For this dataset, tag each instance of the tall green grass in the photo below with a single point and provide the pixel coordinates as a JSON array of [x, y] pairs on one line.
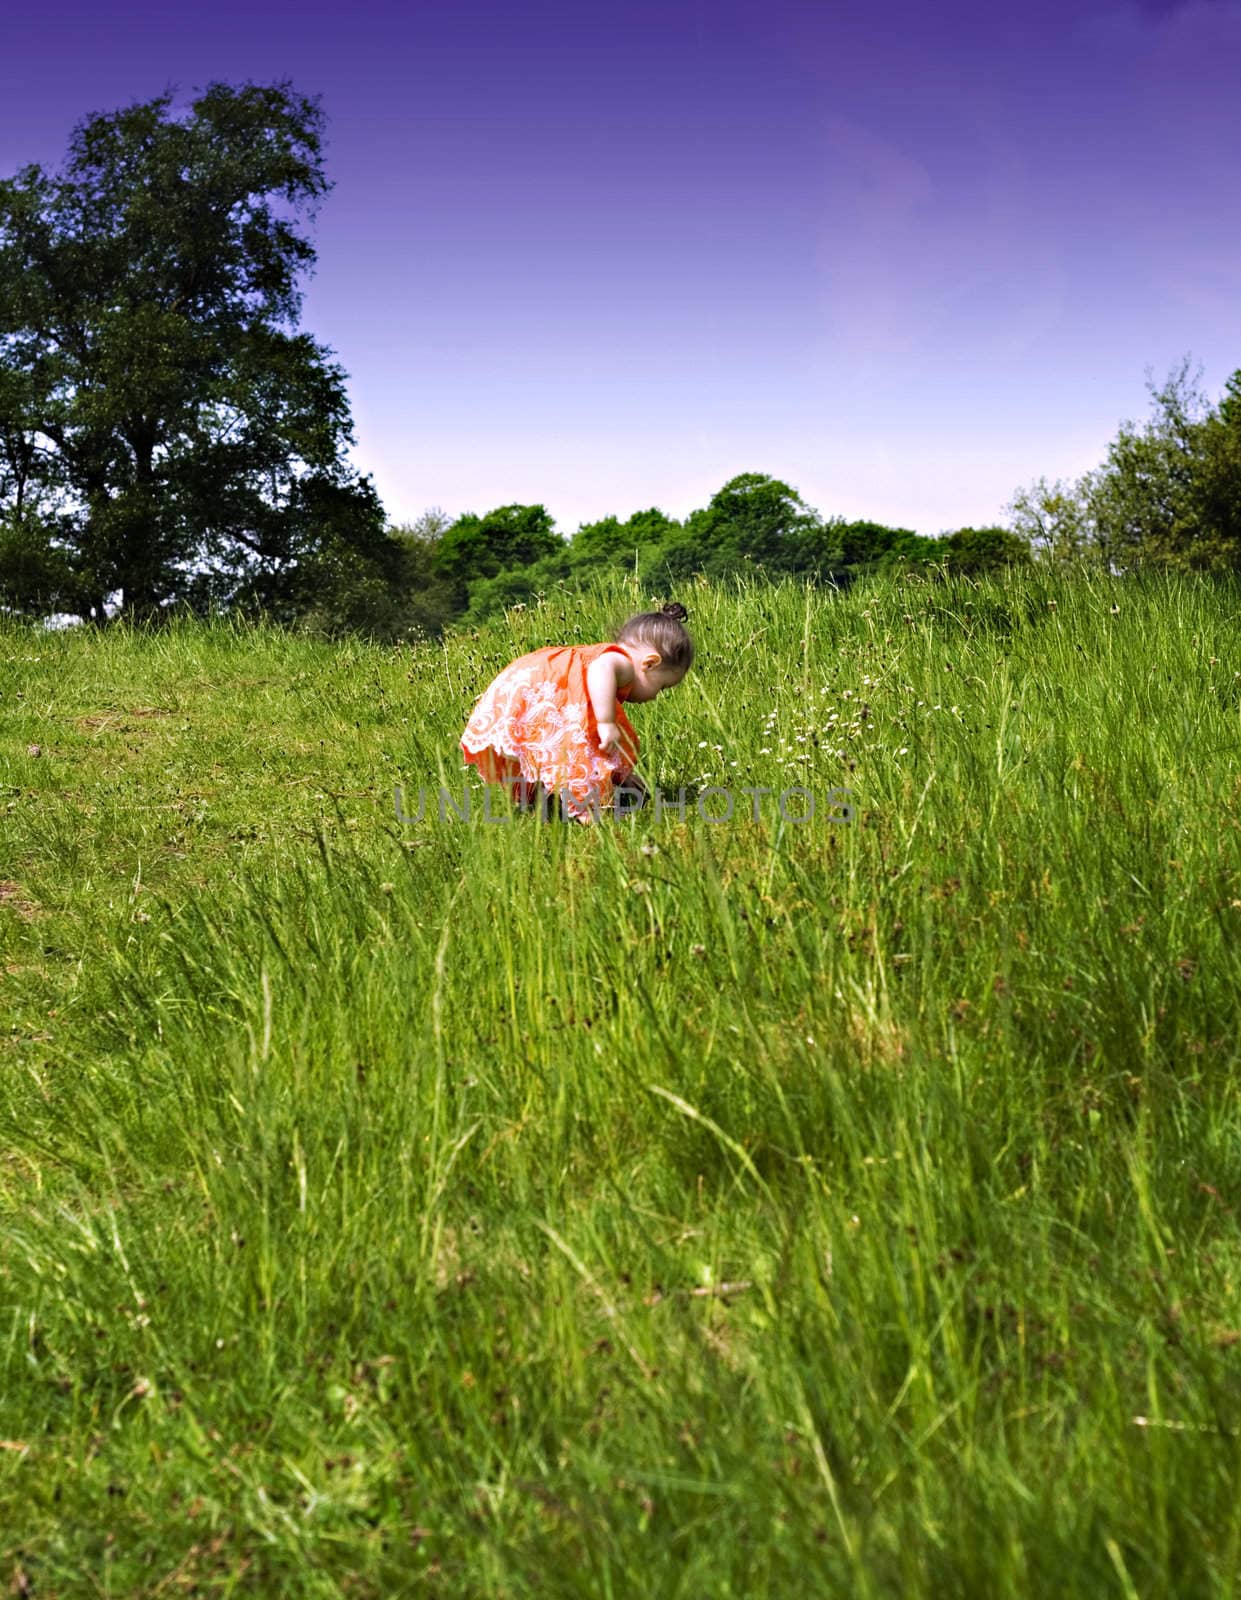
[[658, 1208]]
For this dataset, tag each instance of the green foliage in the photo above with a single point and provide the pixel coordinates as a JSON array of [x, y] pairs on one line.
[[1217, 485], [1168, 493], [36, 577], [754, 525], [178, 438], [427, 602], [975, 550], [1054, 521], [620, 543], [516, 586], [1142, 500], [754, 518], [869, 547], [481, 547]]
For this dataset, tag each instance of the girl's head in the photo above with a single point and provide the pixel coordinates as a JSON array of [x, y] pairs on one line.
[[660, 648]]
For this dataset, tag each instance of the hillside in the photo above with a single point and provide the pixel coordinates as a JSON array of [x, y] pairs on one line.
[[667, 1207]]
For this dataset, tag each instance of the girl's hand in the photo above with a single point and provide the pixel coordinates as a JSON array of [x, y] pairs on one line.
[[609, 735]]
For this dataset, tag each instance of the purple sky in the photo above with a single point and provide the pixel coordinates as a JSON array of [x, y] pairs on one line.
[[607, 255]]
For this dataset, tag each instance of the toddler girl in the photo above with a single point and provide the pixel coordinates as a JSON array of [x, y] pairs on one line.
[[553, 717]]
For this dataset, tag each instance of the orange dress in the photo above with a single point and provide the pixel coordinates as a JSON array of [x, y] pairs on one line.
[[534, 722]]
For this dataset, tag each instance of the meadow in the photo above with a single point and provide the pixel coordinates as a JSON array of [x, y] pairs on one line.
[[661, 1208]]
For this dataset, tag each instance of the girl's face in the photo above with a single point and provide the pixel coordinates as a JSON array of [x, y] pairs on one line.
[[650, 676]]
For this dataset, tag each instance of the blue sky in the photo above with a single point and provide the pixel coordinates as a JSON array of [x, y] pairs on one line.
[[605, 257]]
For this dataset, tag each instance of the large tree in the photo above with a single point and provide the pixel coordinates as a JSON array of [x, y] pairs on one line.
[[977, 550], [166, 431], [614, 542], [753, 519], [477, 547], [1168, 494]]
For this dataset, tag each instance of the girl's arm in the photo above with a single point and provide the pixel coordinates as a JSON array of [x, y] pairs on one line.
[[603, 676]]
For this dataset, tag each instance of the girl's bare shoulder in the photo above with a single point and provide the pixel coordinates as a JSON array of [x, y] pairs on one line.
[[612, 661]]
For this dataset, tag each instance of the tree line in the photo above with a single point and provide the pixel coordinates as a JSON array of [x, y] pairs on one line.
[[476, 565], [171, 439]]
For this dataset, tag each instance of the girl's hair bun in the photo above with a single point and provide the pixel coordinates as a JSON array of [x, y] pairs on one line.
[[662, 629]]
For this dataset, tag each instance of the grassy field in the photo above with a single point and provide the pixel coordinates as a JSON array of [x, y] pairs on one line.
[[658, 1208]]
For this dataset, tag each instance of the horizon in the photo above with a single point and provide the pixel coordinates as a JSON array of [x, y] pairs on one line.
[[906, 263]]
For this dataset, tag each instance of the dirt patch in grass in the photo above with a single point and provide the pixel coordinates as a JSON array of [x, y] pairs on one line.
[[12, 894], [104, 719]]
